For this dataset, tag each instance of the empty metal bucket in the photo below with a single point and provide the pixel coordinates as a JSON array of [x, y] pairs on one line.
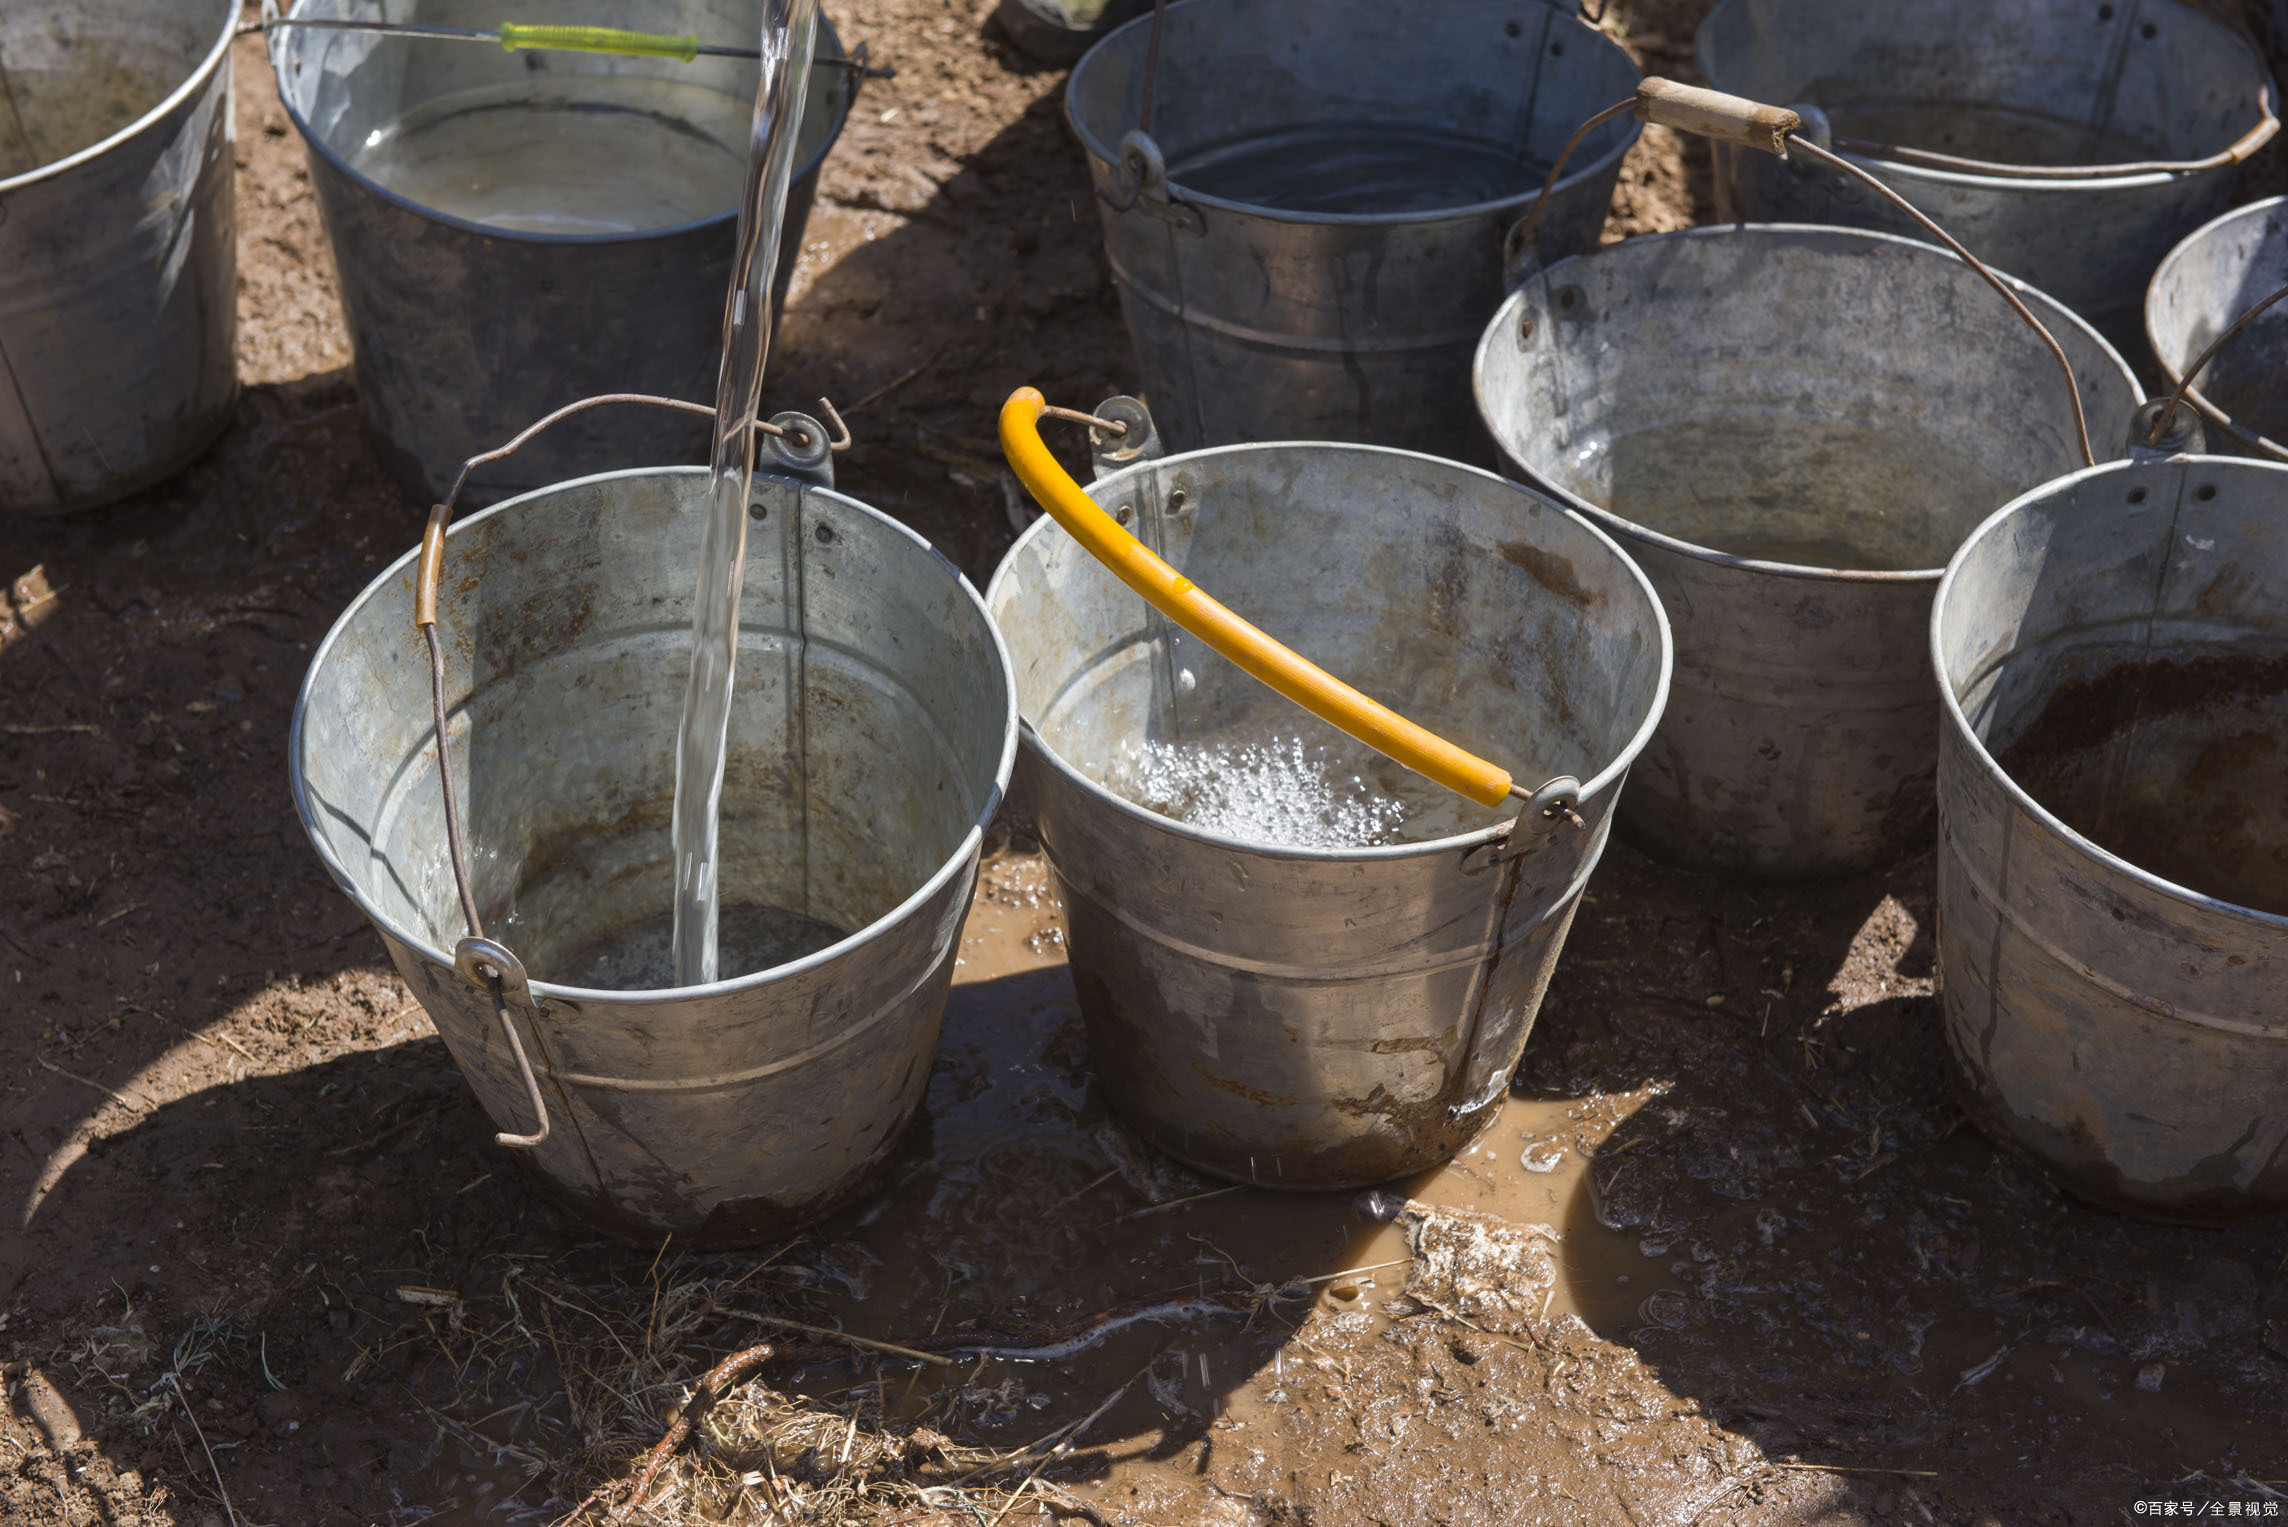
[[118, 245], [2207, 282], [516, 230], [2020, 82], [1323, 1017], [872, 735], [2113, 871], [1306, 227], [1790, 429]]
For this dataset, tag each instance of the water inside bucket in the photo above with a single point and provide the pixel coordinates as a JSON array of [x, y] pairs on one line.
[[1997, 133], [1807, 492], [789, 36], [1280, 785], [590, 154], [2175, 765], [642, 957], [51, 114], [1339, 168]]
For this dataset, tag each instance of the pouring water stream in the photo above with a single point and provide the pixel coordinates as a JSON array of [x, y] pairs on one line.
[[790, 29]]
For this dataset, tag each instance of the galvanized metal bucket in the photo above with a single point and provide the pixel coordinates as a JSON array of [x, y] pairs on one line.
[[118, 245], [2167, 95], [2207, 282], [2113, 871], [1790, 429], [467, 329], [1259, 314], [1307, 1017], [872, 736]]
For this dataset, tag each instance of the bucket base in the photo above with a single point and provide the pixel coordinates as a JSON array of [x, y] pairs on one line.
[[734, 1223]]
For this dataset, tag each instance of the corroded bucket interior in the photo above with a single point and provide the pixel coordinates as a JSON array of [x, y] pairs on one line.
[[78, 71], [1488, 615], [543, 142], [2121, 650], [2025, 82], [868, 728], [2212, 278], [1823, 398], [1464, 102]]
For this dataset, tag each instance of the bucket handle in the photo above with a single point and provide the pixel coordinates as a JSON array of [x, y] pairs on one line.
[[1773, 130], [1247, 647], [2164, 417], [799, 445]]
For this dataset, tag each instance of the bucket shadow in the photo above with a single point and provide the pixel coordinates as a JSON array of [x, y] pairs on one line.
[[1830, 1261]]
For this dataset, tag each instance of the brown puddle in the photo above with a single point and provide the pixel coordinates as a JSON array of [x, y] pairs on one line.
[[2180, 767]]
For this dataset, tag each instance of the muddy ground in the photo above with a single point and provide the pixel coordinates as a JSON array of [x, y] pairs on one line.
[[1731, 1254]]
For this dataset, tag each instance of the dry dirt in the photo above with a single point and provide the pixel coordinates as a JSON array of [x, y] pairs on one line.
[[259, 1262]]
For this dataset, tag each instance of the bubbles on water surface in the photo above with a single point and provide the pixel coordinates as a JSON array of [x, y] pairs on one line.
[[1268, 789]]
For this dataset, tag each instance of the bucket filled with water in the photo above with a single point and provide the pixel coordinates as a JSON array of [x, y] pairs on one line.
[[1305, 222], [1300, 964], [2220, 273], [872, 734], [118, 245], [2113, 871], [1791, 429], [2069, 145], [513, 230]]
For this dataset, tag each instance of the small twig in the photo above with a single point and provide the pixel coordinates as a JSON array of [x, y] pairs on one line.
[[883, 391], [1856, 1468], [199, 1432], [113, 1093], [112, 917], [1084, 1192], [1177, 1203], [370, 1141], [78, 729], [218, 1040], [867, 1342]]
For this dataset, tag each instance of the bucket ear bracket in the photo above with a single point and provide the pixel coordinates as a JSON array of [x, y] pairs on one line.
[[1109, 453], [802, 452], [1552, 806], [1141, 185]]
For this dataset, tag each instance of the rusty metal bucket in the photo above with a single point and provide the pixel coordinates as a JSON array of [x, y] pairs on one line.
[[2113, 869], [872, 735], [1315, 1017], [118, 246], [2068, 144], [473, 315], [1305, 218], [1790, 429]]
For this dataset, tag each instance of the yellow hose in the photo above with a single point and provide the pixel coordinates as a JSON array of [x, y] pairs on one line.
[[1178, 598]]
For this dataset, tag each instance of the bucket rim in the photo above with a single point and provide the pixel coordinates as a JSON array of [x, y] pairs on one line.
[[215, 58], [1502, 206], [1958, 721], [1900, 170], [1606, 778], [2048, 308], [275, 43], [2265, 447], [956, 864]]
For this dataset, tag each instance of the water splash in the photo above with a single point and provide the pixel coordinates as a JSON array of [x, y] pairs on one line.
[[1264, 789], [790, 29]]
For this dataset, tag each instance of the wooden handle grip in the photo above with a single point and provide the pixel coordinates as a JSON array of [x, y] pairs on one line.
[[1713, 114]]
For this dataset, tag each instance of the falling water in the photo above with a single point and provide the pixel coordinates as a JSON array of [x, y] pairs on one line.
[[789, 30]]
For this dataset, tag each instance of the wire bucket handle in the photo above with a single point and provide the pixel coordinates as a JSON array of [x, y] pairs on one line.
[[1771, 130], [799, 447]]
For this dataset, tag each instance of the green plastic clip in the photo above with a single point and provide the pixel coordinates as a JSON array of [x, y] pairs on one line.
[[585, 39]]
